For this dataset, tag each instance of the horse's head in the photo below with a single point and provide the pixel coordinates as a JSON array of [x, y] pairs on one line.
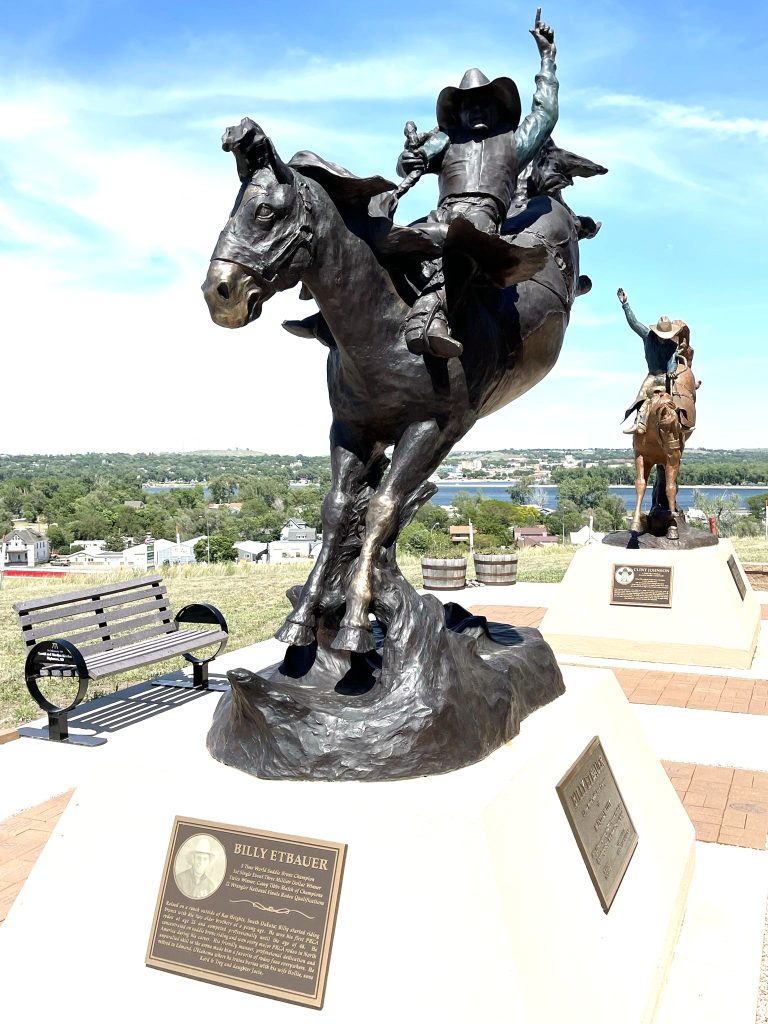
[[267, 240]]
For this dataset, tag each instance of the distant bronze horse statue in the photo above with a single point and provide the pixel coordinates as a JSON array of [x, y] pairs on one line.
[[671, 419], [307, 221]]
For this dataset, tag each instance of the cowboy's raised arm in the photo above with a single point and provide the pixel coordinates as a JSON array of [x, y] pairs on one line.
[[632, 320], [536, 128]]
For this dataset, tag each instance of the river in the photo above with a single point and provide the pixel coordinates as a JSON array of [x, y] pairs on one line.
[[547, 496]]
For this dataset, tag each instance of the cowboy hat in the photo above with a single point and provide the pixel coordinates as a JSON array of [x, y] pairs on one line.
[[665, 328], [475, 87], [202, 844]]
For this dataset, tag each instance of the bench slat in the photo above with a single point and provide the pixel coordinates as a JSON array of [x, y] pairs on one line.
[[117, 620], [77, 595], [142, 655], [106, 636], [86, 607], [104, 646]]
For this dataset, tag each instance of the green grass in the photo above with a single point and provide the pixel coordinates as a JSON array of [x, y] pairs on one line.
[[252, 599]]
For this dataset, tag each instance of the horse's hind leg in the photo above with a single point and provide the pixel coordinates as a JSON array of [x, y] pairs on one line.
[[642, 472], [417, 454], [347, 475]]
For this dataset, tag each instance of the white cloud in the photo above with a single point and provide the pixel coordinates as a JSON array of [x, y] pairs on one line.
[[696, 118]]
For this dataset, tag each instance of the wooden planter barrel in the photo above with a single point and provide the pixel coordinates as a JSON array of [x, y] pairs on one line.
[[444, 573], [496, 570]]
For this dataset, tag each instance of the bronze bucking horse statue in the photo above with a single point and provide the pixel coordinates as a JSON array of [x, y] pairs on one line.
[[670, 422], [415, 689]]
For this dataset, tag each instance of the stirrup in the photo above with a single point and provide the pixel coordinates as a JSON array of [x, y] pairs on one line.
[[440, 342]]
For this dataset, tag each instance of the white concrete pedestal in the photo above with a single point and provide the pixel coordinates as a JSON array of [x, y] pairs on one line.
[[708, 623], [465, 897]]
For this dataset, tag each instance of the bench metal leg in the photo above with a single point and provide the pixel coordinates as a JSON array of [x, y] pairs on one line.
[[200, 680], [57, 731]]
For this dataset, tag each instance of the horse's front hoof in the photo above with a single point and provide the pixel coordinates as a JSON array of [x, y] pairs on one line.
[[354, 639], [296, 633]]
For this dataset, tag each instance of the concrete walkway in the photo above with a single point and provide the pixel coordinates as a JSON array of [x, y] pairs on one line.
[[708, 728]]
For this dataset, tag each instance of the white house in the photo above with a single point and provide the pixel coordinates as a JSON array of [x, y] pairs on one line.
[[252, 551], [26, 547], [276, 550], [279, 550], [97, 558], [157, 553], [297, 529], [89, 545]]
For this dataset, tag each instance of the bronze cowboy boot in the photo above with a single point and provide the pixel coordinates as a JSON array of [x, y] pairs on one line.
[[426, 328], [638, 427]]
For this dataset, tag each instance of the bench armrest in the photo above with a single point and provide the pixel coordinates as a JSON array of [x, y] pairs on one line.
[[202, 613], [55, 656]]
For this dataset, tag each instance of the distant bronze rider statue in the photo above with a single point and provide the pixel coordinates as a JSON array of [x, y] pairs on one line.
[[660, 341], [666, 416]]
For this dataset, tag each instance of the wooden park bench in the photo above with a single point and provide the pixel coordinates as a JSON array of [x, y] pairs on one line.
[[93, 633]]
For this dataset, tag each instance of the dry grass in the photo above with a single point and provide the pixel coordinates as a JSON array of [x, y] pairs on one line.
[[252, 599]]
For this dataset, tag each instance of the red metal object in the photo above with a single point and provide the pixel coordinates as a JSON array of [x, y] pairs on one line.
[[713, 525], [33, 572]]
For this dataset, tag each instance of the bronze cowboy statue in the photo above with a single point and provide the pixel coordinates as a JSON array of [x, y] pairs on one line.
[[668, 355], [478, 149], [429, 327], [666, 416]]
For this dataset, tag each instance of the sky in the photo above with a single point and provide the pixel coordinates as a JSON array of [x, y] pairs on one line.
[[114, 187]]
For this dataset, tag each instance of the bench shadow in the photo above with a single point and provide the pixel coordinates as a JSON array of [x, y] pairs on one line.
[[134, 705]]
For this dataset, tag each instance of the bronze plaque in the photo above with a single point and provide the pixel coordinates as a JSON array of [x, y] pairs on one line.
[[250, 909], [738, 579], [599, 820], [647, 586]]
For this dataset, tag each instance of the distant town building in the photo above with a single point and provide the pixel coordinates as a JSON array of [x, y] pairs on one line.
[[531, 536], [276, 550], [89, 545], [133, 504], [25, 546], [297, 529], [252, 551], [459, 534]]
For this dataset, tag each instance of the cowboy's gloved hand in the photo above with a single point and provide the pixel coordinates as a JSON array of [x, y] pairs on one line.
[[412, 160], [622, 296], [544, 36]]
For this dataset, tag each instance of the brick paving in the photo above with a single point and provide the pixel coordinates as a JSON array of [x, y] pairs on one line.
[[726, 805], [22, 838], [693, 690], [511, 614], [670, 689]]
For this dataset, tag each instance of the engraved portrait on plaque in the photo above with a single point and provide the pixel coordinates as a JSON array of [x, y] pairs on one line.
[[599, 820], [199, 866], [251, 909]]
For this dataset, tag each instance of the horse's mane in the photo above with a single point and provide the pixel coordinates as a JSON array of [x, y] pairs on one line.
[[345, 188]]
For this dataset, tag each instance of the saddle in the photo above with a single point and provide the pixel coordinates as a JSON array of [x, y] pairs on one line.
[[683, 387]]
